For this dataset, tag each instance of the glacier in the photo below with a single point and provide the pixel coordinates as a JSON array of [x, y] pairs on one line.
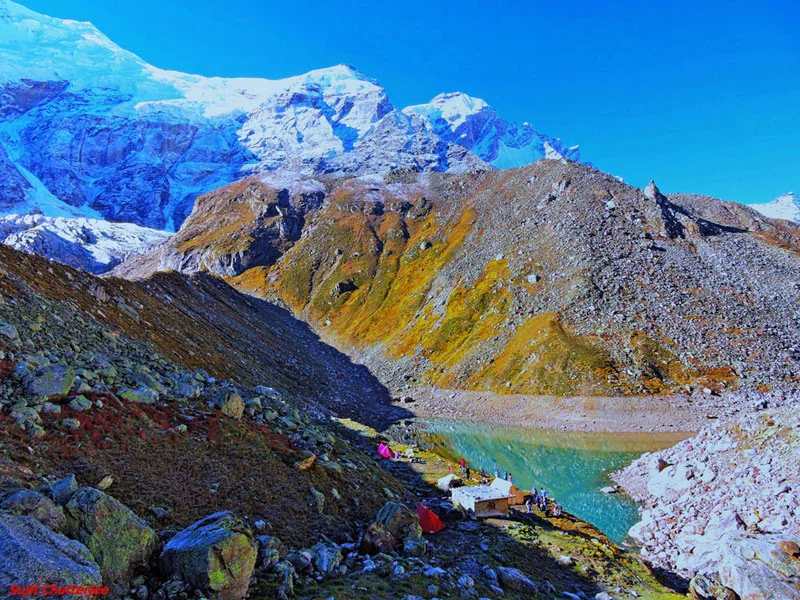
[[89, 244], [90, 130]]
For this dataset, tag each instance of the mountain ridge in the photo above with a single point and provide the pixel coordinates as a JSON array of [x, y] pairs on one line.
[[554, 278]]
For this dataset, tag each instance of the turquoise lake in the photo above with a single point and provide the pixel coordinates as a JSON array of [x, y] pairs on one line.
[[571, 466]]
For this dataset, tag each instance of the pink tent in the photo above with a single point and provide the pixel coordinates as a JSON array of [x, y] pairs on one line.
[[385, 451]]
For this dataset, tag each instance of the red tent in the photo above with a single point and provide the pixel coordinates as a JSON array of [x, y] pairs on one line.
[[428, 520]]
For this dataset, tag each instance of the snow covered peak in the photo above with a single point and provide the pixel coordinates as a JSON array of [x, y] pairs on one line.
[[90, 126], [42, 48], [453, 107], [786, 206], [473, 124]]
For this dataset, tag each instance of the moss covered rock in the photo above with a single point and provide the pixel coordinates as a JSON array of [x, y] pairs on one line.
[[118, 539], [216, 554]]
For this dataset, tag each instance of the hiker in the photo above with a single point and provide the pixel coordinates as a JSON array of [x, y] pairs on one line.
[[482, 473], [557, 510], [496, 473], [505, 475], [529, 505], [510, 478], [463, 463], [534, 493], [468, 473]]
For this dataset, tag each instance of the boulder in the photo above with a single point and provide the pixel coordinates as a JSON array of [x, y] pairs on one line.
[[50, 381], [269, 552], [326, 557], [64, 488], [31, 553], [377, 539], [140, 395], [118, 539], [80, 403], [394, 524], [516, 580], [232, 405], [702, 587], [216, 554], [34, 504]]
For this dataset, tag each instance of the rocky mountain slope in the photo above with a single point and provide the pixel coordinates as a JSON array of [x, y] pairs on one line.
[[722, 507], [785, 207], [171, 439], [94, 126], [553, 278], [90, 244]]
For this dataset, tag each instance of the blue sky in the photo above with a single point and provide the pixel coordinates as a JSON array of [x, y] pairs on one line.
[[702, 96]]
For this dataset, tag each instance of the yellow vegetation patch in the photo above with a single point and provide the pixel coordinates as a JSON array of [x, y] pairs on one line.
[[543, 357]]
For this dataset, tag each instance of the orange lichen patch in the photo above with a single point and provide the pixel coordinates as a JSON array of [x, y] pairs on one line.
[[661, 370], [719, 375]]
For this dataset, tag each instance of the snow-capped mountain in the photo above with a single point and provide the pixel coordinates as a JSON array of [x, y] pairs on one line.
[[88, 125], [786, 206], [88, 244], [470, 122]]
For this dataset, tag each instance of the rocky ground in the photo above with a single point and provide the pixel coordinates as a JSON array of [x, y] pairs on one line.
[[723, 507], [126, 464]]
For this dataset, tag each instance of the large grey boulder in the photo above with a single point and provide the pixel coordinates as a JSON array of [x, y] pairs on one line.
[[395, 525], [50, 381], [216, 554], [34, 504], [118, 539], [516, 580], [31, 553], [326, 557]]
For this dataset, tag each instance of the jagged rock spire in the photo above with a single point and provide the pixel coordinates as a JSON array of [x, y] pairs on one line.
[[651, 192]]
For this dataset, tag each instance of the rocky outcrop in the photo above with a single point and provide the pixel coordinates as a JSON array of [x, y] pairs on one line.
[[724, 505], [217, 555], [119, 540], [33, 554]]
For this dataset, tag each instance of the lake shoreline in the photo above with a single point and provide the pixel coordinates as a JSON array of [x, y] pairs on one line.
[[678, 413]]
